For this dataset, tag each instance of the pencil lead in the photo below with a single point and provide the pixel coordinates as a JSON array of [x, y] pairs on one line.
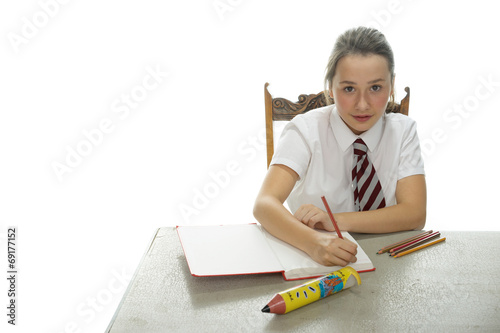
[[266, 309]]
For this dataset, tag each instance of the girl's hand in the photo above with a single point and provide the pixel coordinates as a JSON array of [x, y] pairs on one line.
[[330, 250], [314, 217]]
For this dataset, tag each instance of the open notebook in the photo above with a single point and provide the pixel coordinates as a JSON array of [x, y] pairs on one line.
[[249, 249]]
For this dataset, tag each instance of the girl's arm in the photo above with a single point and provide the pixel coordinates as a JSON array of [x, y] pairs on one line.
[[408, 214], [269, 211]]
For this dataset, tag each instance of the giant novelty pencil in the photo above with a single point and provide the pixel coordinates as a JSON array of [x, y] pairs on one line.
[[312, 291]]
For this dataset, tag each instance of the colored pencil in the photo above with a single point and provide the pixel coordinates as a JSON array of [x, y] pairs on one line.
[[418, 243], [331, 217], [413, 242], [419, 248], [389, 247]]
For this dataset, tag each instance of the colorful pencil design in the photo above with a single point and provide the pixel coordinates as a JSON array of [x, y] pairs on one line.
[[419, 248], [312, 291]]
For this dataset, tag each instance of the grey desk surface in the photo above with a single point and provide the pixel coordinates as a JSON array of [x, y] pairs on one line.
[[450, 287]]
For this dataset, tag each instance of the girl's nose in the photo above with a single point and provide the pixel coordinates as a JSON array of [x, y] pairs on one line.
[[362, 103]]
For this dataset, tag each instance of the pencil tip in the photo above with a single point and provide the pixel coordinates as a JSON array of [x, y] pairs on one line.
[[266, 309]]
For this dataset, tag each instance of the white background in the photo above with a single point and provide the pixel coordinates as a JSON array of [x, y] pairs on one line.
[[80, 238]]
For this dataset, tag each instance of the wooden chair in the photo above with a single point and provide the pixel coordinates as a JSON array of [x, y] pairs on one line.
[[282, 109]]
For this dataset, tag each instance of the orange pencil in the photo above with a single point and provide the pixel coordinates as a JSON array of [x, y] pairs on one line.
[[419, 248], [331, 217], [418, 240], [415, 244], [389, 247]]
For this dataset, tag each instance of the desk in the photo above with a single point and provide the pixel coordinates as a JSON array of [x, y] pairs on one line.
[[450, 287]]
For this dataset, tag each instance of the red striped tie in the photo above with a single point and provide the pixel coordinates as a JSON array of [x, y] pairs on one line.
[[368, 194]]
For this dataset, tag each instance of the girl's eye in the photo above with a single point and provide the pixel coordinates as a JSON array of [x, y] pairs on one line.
[[348, 89], [376, 88]]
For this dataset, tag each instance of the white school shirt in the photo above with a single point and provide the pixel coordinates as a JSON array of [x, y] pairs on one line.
[[317, 145]]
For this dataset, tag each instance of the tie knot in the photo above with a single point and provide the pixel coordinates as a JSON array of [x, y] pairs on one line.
[[360, 147]]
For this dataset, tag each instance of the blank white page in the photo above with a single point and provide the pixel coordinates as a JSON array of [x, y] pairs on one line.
[[298, 264], [227, 250]]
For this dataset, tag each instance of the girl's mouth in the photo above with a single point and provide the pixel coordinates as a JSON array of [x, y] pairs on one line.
[[362, 118]]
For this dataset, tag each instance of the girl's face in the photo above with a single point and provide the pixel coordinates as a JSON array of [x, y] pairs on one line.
[[361, 88]]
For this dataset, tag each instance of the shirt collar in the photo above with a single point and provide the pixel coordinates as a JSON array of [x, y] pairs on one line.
[[345, 137]]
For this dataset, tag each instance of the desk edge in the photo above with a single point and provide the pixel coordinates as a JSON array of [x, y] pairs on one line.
[[117, 311]]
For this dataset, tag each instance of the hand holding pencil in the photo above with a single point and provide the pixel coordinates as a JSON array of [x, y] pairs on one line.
[[326, 249], [338, 251], [330, 250]]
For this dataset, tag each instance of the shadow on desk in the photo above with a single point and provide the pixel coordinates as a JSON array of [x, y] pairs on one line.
[[212, 291]]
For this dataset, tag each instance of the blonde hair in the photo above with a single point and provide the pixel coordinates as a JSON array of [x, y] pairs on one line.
[[359, 41]]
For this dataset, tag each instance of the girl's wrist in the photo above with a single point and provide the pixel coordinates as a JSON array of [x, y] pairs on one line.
[[311, 239], [340, 218]]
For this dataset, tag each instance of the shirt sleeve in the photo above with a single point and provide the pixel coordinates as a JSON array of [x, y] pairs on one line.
[[293, 150], [410, 160]]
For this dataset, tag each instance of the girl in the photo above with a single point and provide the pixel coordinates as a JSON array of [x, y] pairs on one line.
[[373, 185]]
